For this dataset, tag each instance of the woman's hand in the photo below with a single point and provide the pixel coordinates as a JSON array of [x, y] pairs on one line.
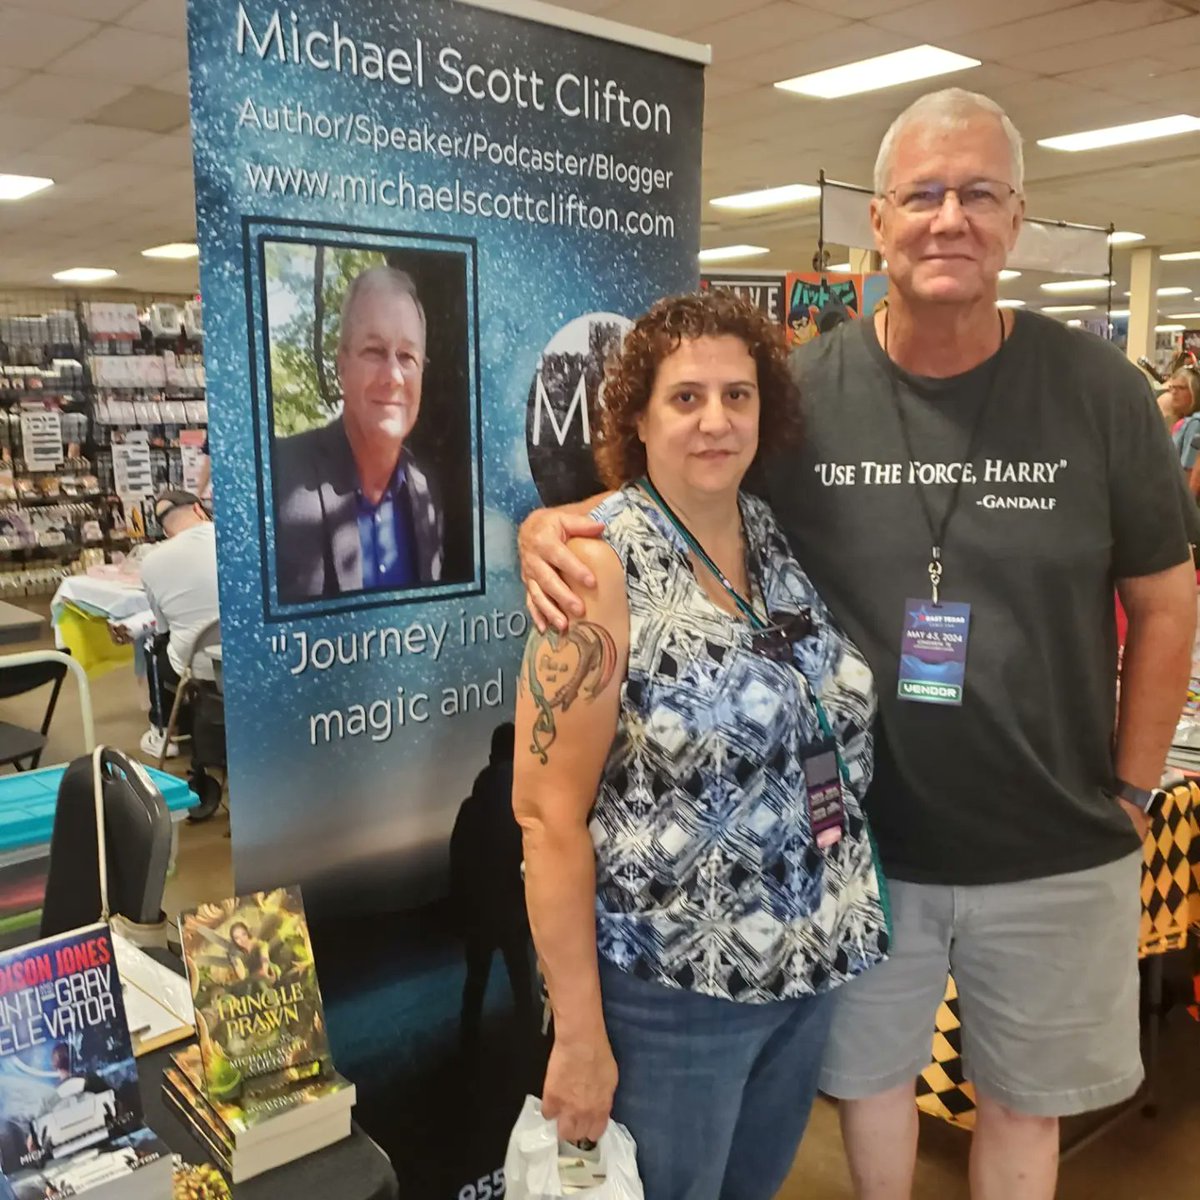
[[580, 1082], [549, 569]]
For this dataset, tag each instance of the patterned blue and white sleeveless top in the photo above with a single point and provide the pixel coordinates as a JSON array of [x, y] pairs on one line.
[[708, 876]]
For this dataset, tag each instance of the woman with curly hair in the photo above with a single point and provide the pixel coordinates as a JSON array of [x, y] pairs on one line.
[[691, 761]]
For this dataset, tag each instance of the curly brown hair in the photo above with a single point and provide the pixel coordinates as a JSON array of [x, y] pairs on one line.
[[629, 378]]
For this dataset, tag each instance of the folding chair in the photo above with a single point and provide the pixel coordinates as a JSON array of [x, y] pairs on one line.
[[208, 789], [20, 747]]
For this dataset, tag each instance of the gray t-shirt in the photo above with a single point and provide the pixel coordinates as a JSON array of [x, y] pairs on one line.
[[1074, 485]]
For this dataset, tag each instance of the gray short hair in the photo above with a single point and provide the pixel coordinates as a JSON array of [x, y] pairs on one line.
[[383, 279], [951, 108]]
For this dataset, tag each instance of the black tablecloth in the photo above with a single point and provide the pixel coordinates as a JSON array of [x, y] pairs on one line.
[[354, 1169]]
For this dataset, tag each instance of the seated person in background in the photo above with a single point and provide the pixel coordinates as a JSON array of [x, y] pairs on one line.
[[180, 578]]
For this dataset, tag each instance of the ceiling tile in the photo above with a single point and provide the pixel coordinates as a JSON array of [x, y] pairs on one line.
[[1066, 27], [126, 55], [96, 143], [53, 95], [778, 24], [935, 20], [92, 10], [1151, 42], [10, 77], [28, 133], [176, 82], [833, 49], [856, 10], [166, 150], [679, 17], [168, 17], [30, 38]]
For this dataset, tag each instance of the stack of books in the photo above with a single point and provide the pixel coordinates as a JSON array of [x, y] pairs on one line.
[[71, 1120], [259, 1089], [258, 1133]]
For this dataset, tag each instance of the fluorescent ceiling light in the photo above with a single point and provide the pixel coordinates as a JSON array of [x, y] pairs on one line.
[[1075, 322], [17, 187], [721, 253], [1184, 316], [84, 274], [1118, 312], [773, 197], [1010, 303], [1122, 135], [1058, 309], [1181, 256], [1169, 328], [883, 71], [1006, 275], [1077, 285], [1169, 291], [173, 250], [1124, 238], [839, 267]]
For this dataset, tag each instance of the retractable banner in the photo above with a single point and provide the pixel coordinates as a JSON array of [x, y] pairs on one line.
[[423, 226]]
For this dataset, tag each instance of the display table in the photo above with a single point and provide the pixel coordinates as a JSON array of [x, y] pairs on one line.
[[18, 624], [1170, 917], [353, 1169]]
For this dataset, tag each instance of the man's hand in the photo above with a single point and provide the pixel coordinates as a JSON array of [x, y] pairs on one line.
[[1141, 822], [581, 1079], [549, 568], [120, 634]]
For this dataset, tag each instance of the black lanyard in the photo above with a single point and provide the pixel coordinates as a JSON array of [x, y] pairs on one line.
[[743, 605], [938, 530]]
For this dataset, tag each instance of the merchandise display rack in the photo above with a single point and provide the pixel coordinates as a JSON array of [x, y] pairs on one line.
[[102, 403]]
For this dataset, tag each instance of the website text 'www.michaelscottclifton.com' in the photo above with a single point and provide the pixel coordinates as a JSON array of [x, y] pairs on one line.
[[397, 191]]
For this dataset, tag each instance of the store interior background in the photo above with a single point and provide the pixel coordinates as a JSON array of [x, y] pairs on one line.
[[93, 94]]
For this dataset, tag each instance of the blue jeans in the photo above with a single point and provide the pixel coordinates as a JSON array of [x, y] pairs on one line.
[[715, 1093]]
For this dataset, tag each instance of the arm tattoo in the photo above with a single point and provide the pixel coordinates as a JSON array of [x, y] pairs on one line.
[[558, 668]]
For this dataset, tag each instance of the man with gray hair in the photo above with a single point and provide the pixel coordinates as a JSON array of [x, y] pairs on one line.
[[354, 509], [973, 484]]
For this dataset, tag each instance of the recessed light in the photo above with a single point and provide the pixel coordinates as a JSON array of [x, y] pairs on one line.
[[1124, 238], [1059, 309], [883, 71], [1077, 285], [1010, 303], [84, 274], [173, 250], [1181, 256], [772, 197], [740, 250], [1169, 328], [1121, 135], [1006, 275], [17, 187]]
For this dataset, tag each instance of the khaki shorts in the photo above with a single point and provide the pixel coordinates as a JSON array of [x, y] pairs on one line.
[[1047, 977]]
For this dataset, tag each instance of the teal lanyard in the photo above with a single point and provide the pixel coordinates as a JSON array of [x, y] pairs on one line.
[[747, 610]]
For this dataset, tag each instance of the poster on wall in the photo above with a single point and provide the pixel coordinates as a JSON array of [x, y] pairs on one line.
[[765, 291], [818, 301], [423, 225]]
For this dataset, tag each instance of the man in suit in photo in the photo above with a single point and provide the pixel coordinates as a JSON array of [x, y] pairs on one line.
[[354, 511]]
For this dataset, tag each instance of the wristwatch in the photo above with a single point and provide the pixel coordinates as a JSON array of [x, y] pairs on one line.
[[1149, 800]]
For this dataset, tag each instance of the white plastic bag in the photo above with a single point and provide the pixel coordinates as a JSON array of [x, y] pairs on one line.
[[535, 1156]]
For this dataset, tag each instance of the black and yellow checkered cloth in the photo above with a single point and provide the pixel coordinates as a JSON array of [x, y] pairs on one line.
[[1170, 908]]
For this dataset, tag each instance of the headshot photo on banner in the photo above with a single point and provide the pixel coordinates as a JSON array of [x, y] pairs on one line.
[[423, 226]]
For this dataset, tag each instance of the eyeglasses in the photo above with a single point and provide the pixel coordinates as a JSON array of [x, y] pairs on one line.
[[775, 642], [978, 198]]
